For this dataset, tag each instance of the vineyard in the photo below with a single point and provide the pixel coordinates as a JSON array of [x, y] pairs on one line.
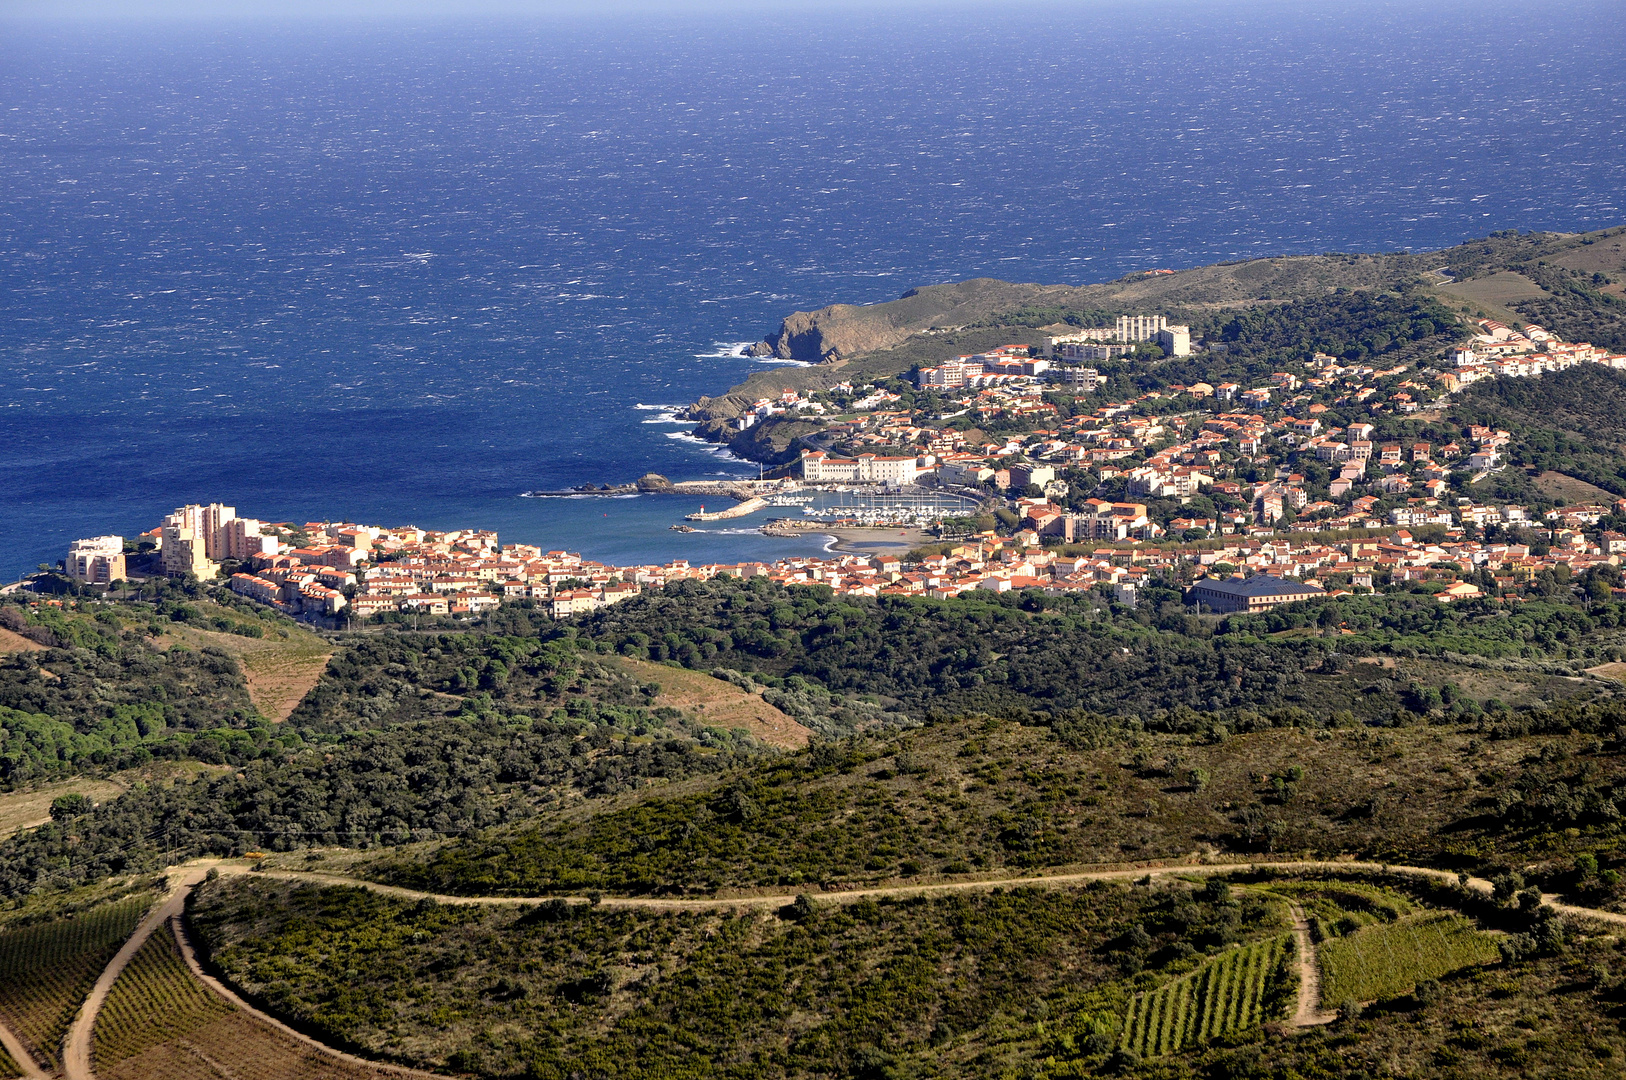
[[1230, 993], [8, 1068], [236, 1046], [47, 970], [155, 1000], [1389, 960], [1337, 908]]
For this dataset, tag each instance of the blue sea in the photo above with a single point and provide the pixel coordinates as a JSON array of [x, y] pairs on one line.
[[401, 272]]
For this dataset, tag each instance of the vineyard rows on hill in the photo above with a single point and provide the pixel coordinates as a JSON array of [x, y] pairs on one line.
[[1389, 960], [236, 1046], [46, 971], [1230, 993], [154, 1000]]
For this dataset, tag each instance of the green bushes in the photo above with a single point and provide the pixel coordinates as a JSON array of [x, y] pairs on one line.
[[831, 989], [1240, 989], [1386, 961]]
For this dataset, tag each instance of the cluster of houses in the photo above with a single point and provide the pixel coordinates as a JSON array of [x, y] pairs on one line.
[[1497, 350], [349, 570]]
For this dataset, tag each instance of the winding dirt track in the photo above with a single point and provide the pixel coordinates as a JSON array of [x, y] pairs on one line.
[[778, 900], [76, 1056], [17, 1052], [191, 956], [76, 1048], [1309, 1012]]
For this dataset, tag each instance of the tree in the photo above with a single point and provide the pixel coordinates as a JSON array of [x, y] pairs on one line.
[[67, 806]]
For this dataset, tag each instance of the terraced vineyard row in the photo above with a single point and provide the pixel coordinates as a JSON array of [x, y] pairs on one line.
[[236, 1046], [1389, 960], [154, 1000], [47, 970], [1225, 995]]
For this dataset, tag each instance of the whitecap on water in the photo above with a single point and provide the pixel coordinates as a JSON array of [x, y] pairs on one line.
[[726, 350]]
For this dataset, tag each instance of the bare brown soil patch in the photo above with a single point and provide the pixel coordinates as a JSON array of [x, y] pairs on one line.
[[11, 641], [279, 671], [719, 703], [25, 809]]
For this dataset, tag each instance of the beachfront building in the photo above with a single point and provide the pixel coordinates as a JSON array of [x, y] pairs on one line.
[[194, 538], [96, 561], [819, 467]]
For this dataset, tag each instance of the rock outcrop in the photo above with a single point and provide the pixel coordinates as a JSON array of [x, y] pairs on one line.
[[843, 331]]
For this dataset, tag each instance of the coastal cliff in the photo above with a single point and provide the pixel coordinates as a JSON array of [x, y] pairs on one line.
[[843, 331], [1566, 281]]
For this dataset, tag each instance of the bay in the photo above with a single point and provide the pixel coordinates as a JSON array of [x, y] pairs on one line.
[[403, 272]]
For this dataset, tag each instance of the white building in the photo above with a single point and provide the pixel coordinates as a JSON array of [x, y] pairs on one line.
[[1087, 379], [96, 561], [820, 467], [1140, 327], [1095, 351], [1175, 340]]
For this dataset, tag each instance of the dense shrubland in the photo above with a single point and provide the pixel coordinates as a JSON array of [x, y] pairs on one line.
[[962, 984]]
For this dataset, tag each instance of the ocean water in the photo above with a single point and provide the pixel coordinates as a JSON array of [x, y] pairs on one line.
[[404, 272]]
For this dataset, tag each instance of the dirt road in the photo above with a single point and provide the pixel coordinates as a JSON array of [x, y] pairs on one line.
[[191, 956], [17, 1052], [77, 1064], [76, 1049], [1309, 1012]]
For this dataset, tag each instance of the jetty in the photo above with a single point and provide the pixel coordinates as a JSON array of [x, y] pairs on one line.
[[749, 506]]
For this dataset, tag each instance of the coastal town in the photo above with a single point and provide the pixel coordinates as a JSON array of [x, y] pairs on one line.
[[1244, 496]]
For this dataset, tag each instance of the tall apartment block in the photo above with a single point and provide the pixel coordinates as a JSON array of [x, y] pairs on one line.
[[1140, 327], [195, 538], [96, 561]]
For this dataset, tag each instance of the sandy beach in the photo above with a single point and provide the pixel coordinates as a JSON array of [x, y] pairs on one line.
[[876, 541]]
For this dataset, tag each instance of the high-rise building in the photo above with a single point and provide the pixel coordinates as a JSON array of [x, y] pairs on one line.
[[1175, 340], [96, 561], [244, 538], [183, 547], [195, 538], [1140, 327]]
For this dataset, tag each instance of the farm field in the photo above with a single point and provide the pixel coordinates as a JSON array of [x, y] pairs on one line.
[[47, 969], [235, 1046], [8, 1068], [279, 670], [1386, 961], [26, 809], [721, 704], [1505, 287], [155, 1000], [1231, 993]]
